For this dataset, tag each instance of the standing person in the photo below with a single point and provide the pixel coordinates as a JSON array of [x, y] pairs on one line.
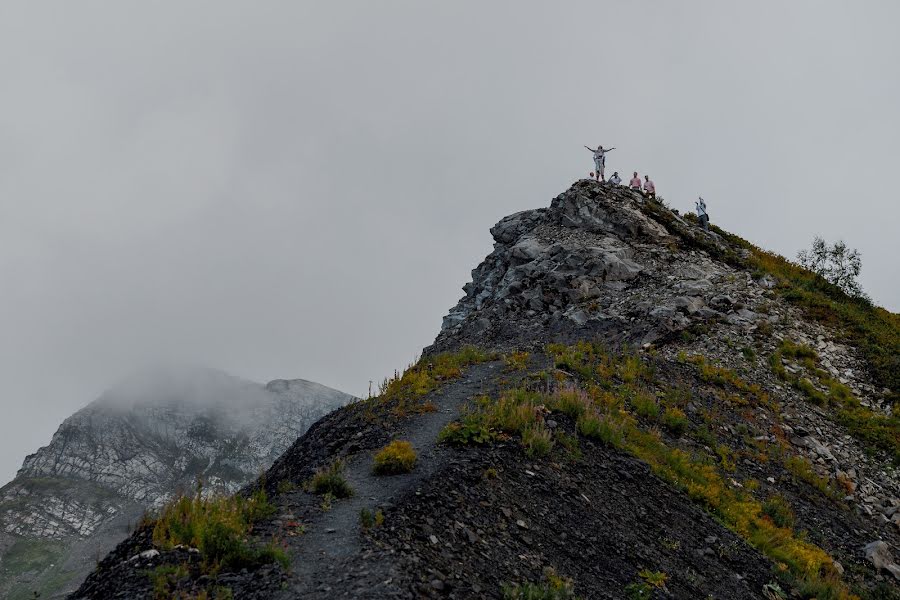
[[649, 187], [701, 213], [600, 161], [635, 182], [615, 179]]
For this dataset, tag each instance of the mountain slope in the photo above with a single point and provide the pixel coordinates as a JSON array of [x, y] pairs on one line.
[[133, 449], [622, 406]]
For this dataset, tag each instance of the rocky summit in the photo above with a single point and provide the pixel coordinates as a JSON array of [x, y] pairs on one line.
[[142, 442], [622, 405]]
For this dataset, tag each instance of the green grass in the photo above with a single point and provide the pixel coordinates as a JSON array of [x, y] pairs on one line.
[[330, 480], [405, 392], [675, 421], [776, 507], [219, 527]]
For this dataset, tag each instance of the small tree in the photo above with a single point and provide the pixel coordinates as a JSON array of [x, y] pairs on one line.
[[837, 263]]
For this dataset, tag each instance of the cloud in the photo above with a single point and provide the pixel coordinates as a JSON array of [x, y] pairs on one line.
[[300, 189]]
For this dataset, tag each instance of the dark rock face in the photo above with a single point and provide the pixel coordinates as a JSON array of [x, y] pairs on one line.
[[133, 449]]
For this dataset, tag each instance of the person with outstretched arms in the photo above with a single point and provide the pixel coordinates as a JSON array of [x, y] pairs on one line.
[[600, 161]]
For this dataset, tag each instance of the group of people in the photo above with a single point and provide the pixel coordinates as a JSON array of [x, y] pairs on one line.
[[646, 187]]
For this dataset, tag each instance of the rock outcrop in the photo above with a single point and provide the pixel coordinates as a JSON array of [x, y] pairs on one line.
[[149, 438]]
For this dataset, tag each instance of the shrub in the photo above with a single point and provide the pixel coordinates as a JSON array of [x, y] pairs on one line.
[[330, 480], [645, 405], [837, 264], [285, 486], [395, 458], [472, 428], [572, 402], [219, 527], [537, 440], [569, 443], [675, 421], [368, 519]]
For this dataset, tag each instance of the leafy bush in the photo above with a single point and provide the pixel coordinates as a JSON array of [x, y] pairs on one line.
[[395, 458], [330, 480], [837, 264]]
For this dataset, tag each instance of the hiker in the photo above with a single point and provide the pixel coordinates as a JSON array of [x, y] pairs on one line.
[[701, 213], [649, 188], [615, 179], [600, 161], [635, 182]]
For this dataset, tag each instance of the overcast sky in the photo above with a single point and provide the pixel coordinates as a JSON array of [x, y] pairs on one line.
[[300, 189]]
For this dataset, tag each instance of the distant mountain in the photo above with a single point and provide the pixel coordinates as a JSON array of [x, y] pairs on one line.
[[143, 441]]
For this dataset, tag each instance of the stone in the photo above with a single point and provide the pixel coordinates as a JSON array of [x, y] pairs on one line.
[[696, 287], [878, 553], [662, 312], [688, 305], [721, 302]]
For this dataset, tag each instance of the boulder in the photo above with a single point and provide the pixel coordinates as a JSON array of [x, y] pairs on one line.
[[879, 554]]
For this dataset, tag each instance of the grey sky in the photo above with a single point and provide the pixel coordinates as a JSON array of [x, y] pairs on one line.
[[299, 189]]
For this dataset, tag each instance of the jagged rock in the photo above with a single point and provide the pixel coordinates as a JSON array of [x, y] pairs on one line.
[[696, 287], [688, 305], [721, 302], [879, 554]]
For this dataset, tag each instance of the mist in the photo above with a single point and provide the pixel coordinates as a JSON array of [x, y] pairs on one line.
[[299, 190]]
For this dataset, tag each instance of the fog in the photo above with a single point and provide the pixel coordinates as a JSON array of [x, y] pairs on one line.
[[300, 189]]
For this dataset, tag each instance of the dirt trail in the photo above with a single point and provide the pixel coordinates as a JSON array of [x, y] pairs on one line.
[[329, 552]]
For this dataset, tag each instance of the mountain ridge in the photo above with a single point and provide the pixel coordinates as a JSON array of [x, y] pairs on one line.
[[622, 405]]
